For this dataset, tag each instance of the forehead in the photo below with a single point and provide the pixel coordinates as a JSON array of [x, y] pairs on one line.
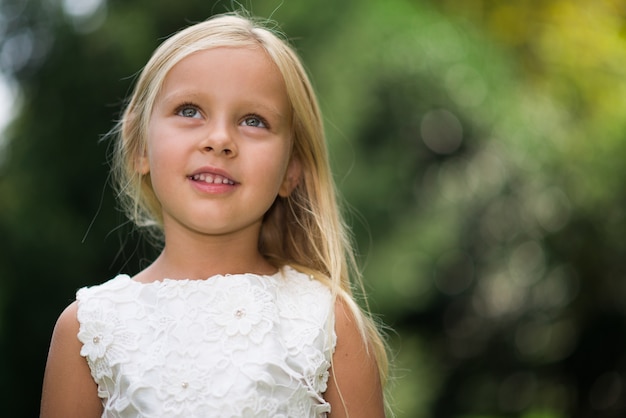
[[227, 67]]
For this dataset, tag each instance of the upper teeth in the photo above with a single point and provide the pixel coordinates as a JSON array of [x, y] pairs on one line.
[[212, 178]]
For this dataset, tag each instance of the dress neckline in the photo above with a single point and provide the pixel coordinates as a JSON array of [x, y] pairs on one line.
[[169, 281]]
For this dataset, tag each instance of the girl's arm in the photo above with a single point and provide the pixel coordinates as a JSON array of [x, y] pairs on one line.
[[354, 387], [69, 391]]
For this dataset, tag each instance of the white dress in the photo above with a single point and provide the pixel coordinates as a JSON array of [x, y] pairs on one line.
[[240, 345]]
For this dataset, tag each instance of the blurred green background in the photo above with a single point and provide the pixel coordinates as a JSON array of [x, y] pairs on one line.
[[480, 145]]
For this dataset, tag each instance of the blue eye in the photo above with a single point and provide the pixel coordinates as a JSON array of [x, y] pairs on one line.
[[188, 111], [254, 121]]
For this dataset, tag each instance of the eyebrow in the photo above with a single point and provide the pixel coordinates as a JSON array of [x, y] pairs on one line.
[[176, 96]]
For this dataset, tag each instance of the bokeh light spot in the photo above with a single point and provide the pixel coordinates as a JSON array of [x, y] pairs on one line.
[[441, 131], [465, 86], [86, 15], [16, 51]]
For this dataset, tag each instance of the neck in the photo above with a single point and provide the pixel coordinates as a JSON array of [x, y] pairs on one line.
[[195, 256]]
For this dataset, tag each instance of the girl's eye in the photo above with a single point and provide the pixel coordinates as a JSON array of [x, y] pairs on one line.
[[188, 111], [254, 121]]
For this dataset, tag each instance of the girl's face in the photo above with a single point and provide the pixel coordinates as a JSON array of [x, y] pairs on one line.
[[219, 142]]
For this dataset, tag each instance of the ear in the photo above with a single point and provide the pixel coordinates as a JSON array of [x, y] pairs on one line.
[[135, 142], [292, 177], [142, 163]]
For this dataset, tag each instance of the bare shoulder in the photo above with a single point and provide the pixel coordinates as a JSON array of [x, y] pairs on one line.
[[67, 321], [354, 386], [68, 388]]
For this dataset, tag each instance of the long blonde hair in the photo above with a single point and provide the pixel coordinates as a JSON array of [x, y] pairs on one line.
[[305, 229]]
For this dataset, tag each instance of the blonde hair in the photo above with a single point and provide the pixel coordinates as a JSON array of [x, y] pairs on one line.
[[305, 229]]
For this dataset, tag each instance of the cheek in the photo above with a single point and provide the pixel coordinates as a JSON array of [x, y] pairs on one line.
[[158, 149], [157, 162], [281, 171], [270, 172]]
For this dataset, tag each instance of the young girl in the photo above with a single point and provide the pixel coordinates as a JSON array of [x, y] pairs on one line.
[[248, 309]]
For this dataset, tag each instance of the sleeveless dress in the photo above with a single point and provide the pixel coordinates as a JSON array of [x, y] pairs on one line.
[[241, 345]]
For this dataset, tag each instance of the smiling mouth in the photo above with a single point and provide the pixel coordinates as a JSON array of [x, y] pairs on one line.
[[212, 179]]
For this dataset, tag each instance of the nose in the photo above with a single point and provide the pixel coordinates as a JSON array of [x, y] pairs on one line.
[[219, 139]]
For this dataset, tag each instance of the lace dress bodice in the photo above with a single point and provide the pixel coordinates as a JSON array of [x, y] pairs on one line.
[[239, 345]]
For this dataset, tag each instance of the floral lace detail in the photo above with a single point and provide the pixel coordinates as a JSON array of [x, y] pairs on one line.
[[106, 340], [100, 345], [246, 310], [229, 346], [317, 377]]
